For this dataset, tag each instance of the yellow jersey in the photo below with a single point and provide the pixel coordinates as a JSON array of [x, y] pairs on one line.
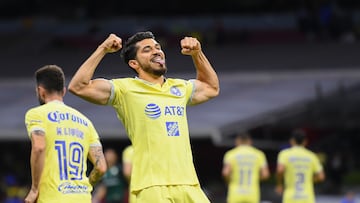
[[300, 166], [154, 117], [127, 154], [69, 135], [246, 163]]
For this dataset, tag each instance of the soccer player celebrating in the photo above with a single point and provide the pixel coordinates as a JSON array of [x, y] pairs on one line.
[[152, 109]]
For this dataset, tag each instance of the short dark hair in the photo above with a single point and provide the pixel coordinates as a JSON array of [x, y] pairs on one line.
[[299, 136], [128, 51], [51, 78], [243, 136]]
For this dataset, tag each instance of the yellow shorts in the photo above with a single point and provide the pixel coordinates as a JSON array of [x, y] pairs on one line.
[[170, 194]]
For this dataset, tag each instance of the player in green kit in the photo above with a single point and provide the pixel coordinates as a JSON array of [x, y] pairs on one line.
[[152, 109], [62, 140], [244, 166], [113, 186], [298, 168]]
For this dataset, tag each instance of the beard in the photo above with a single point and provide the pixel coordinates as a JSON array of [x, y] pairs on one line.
[[154, 71], [41, 101]]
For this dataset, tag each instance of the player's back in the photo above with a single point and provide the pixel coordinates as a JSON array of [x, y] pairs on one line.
[[300, 166], [246, 163], [68, 137]]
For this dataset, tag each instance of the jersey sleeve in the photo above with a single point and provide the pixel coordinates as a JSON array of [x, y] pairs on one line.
[[34, 121], [281, 158], [317, 164], [190, 89], [94, 136], [227, 157], [262, 159], [112, 94], [115, 92], [127, 154]]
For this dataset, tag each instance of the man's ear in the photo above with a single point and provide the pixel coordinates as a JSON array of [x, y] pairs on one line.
[[64, 91], [134, 64], [41, 91]]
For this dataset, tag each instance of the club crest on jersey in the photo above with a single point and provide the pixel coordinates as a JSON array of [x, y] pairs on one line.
[[175, 91], [172, 128], [153, 111]]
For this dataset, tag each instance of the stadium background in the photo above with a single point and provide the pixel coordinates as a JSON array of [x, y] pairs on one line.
[[282, 65]]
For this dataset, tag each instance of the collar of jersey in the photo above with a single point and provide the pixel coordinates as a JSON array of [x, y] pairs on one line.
[[147, 82], [56, 101]]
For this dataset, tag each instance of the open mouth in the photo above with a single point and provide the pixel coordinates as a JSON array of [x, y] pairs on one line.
[[158, 60]]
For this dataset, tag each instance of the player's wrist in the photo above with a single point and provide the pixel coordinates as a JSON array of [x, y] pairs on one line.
[[103, 49], [34, 189]]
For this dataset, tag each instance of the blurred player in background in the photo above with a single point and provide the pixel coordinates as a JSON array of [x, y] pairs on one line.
[[127, 161], [349, 197], [62, 139], [113, 186], [297, 170], [244, 167]]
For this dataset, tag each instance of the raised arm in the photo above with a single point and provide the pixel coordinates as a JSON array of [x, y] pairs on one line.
[[207, 82], [94, 90]]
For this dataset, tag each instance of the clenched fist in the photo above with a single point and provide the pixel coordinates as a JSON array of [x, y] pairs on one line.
[[112, 44], [190, 46]]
